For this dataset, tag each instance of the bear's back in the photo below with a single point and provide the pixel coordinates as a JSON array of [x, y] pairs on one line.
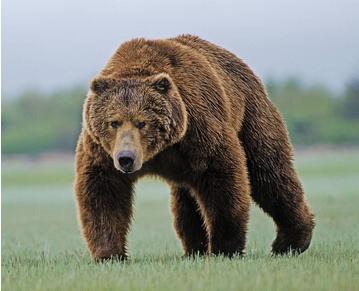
[[238, 79]]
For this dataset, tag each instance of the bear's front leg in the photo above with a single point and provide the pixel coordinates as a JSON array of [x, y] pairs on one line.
[[104, 200], [224, 199]]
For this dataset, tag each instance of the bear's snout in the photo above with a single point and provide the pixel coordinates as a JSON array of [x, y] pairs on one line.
[[126, 160]]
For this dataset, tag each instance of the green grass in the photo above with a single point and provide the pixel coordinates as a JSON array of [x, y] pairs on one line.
[[42, 248]]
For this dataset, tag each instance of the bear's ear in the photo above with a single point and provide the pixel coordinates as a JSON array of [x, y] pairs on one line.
[[100, 85], [162, 84]]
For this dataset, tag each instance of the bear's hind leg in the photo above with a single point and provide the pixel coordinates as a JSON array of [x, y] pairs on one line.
[[279, 193], [188, 221], [275, 186]]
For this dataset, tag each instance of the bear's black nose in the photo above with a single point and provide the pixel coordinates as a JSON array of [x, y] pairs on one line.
[[126, 160]]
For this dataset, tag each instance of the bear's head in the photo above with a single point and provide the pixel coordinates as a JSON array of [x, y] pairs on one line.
[[134, 118]]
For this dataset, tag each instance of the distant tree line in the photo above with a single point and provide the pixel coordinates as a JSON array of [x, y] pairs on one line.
[[35, 122], [314, 115]]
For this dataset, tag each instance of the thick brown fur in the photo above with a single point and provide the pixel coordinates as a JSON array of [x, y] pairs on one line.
[[196, 115]]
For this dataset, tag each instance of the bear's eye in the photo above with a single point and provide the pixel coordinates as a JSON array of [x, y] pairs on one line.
[[162, 85], [116, 124], [140, 125]]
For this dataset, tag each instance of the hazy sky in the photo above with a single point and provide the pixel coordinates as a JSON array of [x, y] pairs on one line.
[[58, 43]]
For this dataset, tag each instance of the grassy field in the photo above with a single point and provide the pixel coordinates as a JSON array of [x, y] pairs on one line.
[[42, 248]]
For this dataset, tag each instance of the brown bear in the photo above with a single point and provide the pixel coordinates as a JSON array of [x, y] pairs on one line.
[[196, 115]]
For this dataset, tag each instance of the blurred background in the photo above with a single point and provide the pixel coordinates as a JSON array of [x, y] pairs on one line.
[[307, 53]]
